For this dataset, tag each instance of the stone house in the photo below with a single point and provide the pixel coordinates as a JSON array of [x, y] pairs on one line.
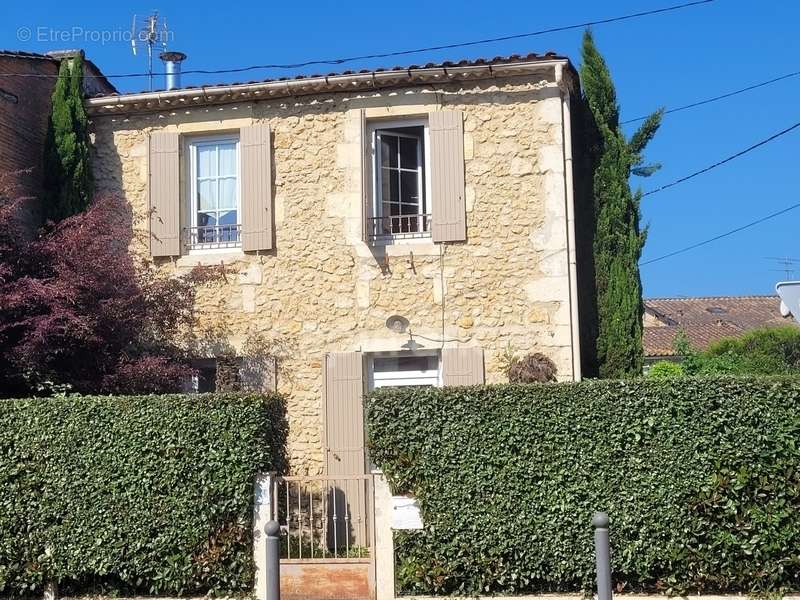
[[390, 227]]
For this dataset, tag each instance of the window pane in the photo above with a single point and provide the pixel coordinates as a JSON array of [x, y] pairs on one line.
[[227, 193], [206, 219], [405, 363], [227, 159], [388, 150], [206, 161], [228, 230], [228, 217], [409, 192], [408, 153], [206, 379], [207, 195], [390, 191]]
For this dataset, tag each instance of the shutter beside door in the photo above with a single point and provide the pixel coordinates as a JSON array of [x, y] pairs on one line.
[[448, 208], [256, 186], [462, 366], [344, 414], [164, 194]]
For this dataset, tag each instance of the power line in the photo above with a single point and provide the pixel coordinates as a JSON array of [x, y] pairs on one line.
[[723, 161], [721, 97], [720, 236], [339, 61]]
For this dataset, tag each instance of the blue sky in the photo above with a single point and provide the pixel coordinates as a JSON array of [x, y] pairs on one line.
[[668, 60]]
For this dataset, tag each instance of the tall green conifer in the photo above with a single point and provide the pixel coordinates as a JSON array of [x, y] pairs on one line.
[[618, 239], [68, 183]]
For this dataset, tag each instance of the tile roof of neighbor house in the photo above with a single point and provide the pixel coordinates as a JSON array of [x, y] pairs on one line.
[[705, 320]]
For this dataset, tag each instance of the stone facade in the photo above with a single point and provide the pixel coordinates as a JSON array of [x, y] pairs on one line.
[[323, 289]]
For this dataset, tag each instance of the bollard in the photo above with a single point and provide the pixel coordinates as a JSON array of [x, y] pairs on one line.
[[603, 555], [273, 531]]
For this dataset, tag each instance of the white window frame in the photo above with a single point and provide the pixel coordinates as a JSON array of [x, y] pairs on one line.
[[373, 129], [193, 144], [403, 378]]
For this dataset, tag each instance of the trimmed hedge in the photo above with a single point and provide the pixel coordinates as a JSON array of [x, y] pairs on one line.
[[148, 494], [701, 478]]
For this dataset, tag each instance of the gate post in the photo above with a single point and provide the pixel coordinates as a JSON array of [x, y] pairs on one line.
[[262, 512], [273, 531], [602, 550]]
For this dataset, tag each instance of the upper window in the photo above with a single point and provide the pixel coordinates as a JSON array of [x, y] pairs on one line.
[[400, 200], [214, 209]]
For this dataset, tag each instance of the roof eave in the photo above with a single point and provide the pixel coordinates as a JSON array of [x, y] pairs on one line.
[[225, 94]]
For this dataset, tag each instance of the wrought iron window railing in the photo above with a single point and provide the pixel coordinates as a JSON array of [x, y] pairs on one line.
[[400, 227], [212, 236]]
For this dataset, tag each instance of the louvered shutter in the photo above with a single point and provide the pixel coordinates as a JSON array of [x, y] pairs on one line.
[[164, 194], [462, 366], [448, 208], [256, 186], [344, 414]]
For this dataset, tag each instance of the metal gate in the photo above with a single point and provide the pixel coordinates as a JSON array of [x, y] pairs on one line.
[[327, 528]]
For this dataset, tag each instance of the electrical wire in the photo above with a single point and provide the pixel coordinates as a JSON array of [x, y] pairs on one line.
[[721, 97], [340, 61], [723, 161], [720, 236]]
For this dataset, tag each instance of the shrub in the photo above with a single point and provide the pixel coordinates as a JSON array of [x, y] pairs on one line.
[[78, 313], [701, 478], [665, 369], [532, 368], [148, 494]]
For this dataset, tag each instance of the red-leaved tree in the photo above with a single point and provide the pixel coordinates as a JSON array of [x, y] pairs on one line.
[[79, 313]]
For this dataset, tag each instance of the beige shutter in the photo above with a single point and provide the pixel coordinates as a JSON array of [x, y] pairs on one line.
[[462, 366], [344, 414], [366, 179], [256, 186], [448, 208], [164, 194]]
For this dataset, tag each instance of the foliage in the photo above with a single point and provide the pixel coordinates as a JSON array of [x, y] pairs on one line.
[[701, 478], [665, 369], [532, 368], [148, 494], [762, 351], [68, 182], [78, 313], [618, 238]]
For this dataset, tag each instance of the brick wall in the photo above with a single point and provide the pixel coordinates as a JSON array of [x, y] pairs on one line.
[[24, 108]]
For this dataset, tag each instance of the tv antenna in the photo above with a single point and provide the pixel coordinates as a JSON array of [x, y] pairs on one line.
[[145, 31], [787, 265]]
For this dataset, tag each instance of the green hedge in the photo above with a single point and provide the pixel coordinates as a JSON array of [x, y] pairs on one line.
[[148, 494], [700, 477]]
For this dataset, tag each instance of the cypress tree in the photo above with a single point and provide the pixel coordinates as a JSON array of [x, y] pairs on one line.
[[618, 238], [68, 183]]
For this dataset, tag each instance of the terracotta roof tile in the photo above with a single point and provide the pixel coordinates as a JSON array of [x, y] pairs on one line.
[[497, 60], [705, 320]]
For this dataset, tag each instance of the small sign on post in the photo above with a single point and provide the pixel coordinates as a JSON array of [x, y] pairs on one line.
[[406, 513]]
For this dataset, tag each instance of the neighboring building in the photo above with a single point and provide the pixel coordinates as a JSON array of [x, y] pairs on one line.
[[704, 320], [26, 84], [444, 194]]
